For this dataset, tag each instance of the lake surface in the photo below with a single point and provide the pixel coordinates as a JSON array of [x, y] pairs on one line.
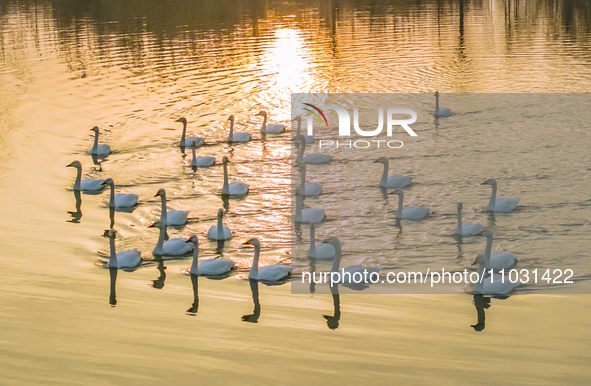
[[133, 68]]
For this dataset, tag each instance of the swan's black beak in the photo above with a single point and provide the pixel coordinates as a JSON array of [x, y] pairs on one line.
[[480, 233], [157, 194], [153, 225], [484, 183], [376, 161], [179, 120], [247, 242], [188, 241]]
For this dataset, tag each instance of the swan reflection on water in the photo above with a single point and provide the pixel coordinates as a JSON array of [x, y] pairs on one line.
[[195, 306], [256, 313], [333, 321], [112, 293], [77, 215], [159, 282], [481, 303]]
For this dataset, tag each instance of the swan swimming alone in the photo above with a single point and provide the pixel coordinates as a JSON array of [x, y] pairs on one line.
[[209, 267], [494, 284], [410, 212], [200, 162], [351, 270], [395, 181], [269, 129], [498, 204], [315, 158], [123, 259], [219, 231], [497, 260], [440, 111], [320, 251], [269, 272], [307, 215], [309, 138], [467, 228], [120, 200], [97, 149], [236, 137], [307, 188], [173, 247], [89, 184], [171, 217], [236, 188], [185, 141]]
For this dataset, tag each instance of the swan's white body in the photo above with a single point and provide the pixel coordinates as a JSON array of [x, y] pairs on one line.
[[236, 137], [120, 200], [186, 141], [201, 162], [352, 269], [499, 260], [270, 129], [440, 111], [219, 231], [410, 212], [308, 188], [498, 204], [171, 217], [99, 149], [395, 181], [320, 251], [173, 247], [210, 267], [495, 284], [467, 228], [269, 272], [315, 158], [89, 184], [309, 138], [236, 188], [307, 215], [123, 259]]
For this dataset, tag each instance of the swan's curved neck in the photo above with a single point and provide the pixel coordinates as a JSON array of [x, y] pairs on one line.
[[220, 226], [113, 259], [159, 245], [337, 257], [479, 286], [184, 133], [400, 203], [264, 126], [254, 271], [300, 157], [226, 187], [459, 229], [312, 240], [231, 135], [163, 214], [299, 127], [487, 251], [96, 138], [436, 102], [493, 198], [78, 178], [195, 264], [303, 180], [112, 198], [384, 174]]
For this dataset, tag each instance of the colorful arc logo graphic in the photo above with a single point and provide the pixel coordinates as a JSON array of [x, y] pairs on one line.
[[316, 114]]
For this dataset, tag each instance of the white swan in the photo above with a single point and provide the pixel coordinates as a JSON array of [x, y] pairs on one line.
[[347, 274], [123, 259], [219, 231], [89, 184], [209, 267], [200, 162], [120, 200], [410, 212], [269, 272], [236, 188], [173, 247], [307, 215], [395, 181], [497, 260], [97, 149], [499, 204], [494, 284], [309, 138], [440, 111], [171, 217], [186, 141], [467, 228], [307, 188], [269, 129], [236, 137], [320, 251], [315, 158]]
